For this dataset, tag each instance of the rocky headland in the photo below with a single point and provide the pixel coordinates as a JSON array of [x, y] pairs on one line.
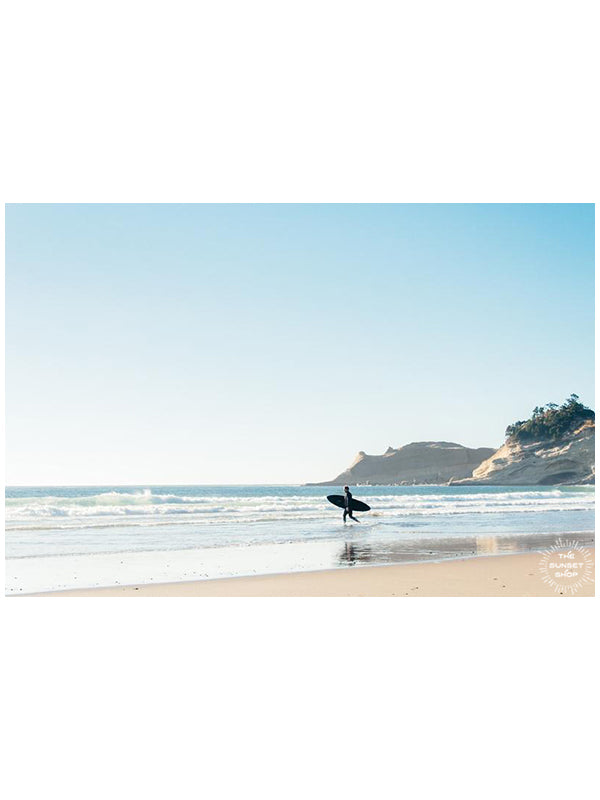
[[554, 446], [415, 463]]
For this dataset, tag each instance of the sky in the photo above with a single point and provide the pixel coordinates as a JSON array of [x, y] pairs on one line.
[[190, 344]]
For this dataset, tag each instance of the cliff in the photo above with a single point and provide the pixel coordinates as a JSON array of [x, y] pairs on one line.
[[415, 463], [568, 459]]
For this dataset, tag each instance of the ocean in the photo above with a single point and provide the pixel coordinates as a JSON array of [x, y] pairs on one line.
[[60, 537]]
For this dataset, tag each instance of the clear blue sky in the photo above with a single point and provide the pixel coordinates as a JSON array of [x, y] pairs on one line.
[[270, 343]]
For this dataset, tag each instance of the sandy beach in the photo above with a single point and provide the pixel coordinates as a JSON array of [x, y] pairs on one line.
[[487, 576]]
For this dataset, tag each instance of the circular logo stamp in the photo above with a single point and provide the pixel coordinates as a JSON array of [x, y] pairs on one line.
[[566, 566]]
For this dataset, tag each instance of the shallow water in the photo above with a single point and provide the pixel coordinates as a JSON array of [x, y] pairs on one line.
[[58, 537]]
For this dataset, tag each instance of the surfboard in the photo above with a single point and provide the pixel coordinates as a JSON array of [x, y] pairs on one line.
[[339, 501]]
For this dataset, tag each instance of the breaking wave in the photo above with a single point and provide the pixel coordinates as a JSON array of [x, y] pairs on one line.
[[148, 507]]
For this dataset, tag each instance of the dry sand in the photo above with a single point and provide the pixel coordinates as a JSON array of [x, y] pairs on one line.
[[486, 576]]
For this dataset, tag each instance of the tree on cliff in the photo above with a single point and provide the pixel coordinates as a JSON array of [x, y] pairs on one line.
[[550, 421]]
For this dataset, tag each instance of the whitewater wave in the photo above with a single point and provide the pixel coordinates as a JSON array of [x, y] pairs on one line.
[[145, 507]]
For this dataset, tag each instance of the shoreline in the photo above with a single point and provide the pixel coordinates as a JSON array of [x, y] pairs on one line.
[[90, 571], [513, 575]]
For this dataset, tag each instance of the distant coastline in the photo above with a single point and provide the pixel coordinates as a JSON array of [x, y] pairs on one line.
[[554, 447]]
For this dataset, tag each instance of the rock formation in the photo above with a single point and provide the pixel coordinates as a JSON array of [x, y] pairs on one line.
[[415, 463], [554, 446], [566, 460]]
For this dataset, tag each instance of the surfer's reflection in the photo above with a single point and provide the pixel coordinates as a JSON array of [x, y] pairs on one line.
[[352, 554], [355, 553]]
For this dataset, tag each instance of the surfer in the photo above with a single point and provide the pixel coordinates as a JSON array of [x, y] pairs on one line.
[[348, 504]]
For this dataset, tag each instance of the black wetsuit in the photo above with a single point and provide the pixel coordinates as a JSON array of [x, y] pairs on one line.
[[348, 506]]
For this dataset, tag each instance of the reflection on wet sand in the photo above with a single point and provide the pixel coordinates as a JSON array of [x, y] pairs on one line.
[[353, 553], [487, 545], [359, 553]]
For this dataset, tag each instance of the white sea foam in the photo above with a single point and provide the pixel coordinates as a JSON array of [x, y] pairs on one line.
[[112, 508]]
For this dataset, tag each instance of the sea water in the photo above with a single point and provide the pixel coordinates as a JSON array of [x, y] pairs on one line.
[[59, 537]]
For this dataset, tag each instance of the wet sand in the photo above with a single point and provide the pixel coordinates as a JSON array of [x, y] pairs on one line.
[[485, 576], [90, 571]]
